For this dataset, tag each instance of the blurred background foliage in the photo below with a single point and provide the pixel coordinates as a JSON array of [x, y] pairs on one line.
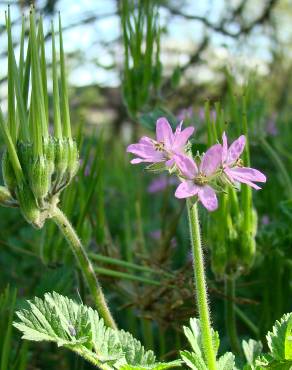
[[130, 62]]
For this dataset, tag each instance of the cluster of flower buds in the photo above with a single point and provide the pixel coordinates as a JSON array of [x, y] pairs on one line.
[[202, 176], [36, 165]]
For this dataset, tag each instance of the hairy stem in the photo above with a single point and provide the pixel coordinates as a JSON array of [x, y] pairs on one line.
[[86, 267], [230, 319], [201, 288]]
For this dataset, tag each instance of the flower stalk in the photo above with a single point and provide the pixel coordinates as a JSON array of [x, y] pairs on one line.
[[86, 267], [201, 287]]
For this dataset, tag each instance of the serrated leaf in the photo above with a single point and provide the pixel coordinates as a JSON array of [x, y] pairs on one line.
[[226, 361], [266, 361], [288, 341], [277, 338], [157, 366], [79, 328], [194, 337], [193, 360], [251, 349]]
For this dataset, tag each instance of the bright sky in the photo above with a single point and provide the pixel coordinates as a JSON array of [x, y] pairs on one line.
[[182, 36]]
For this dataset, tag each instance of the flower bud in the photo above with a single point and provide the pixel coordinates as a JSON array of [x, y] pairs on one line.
[[61, 159], [6, 198], [40, 178], [49, 152], [248, 243], [28, 206], [25, 152], [73, 163]]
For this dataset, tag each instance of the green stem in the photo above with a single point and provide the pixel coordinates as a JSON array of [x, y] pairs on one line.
[[230, 320], [87, 269], [201, 288]]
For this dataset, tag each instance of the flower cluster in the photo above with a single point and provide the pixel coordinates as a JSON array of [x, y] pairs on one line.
[[198, 177]]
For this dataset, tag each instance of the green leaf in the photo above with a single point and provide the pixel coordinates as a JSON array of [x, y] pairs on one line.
[[277, 338], [193, 335], [193, 360], [157, 366], [79, 328], [266, 361], [226, 361], [252, 349], [288, 341]]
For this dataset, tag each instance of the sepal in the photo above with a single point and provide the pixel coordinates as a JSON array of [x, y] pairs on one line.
[[28, 205]]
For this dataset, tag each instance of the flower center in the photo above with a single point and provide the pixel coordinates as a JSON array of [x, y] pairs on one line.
[[159, 146], [239, 163], [201, 179]]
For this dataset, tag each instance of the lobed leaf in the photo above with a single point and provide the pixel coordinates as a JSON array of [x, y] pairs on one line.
[[226, 361], [79, 328], [277, 338], [251, 349], [193, 360]]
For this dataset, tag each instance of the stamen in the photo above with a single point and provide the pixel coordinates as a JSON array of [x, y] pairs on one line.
[[159, 146], [201, 179]]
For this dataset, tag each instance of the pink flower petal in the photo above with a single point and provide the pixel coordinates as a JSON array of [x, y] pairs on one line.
[[249, 173], [211, 160], [146, 153], [137, 161], [186, 165], [245, 175], [208, 198], [146, 140], [178, 128], [186, 189], [144, 150], [170, 162], [164, 132], [235, 150], [181, 138]]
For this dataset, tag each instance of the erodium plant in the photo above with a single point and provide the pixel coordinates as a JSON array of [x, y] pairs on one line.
[[40, 161], [219, 167], [38, 165]]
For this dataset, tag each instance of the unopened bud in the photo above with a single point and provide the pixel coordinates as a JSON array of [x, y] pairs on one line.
[[28, 206], [61, 158], [73, 163], [6, 198], [248, 243], [25, 152], [49, 153], [40, 178]]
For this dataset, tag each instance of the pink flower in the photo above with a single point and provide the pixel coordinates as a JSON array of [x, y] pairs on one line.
[[166, 145], [231, 164], [196, 179]]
